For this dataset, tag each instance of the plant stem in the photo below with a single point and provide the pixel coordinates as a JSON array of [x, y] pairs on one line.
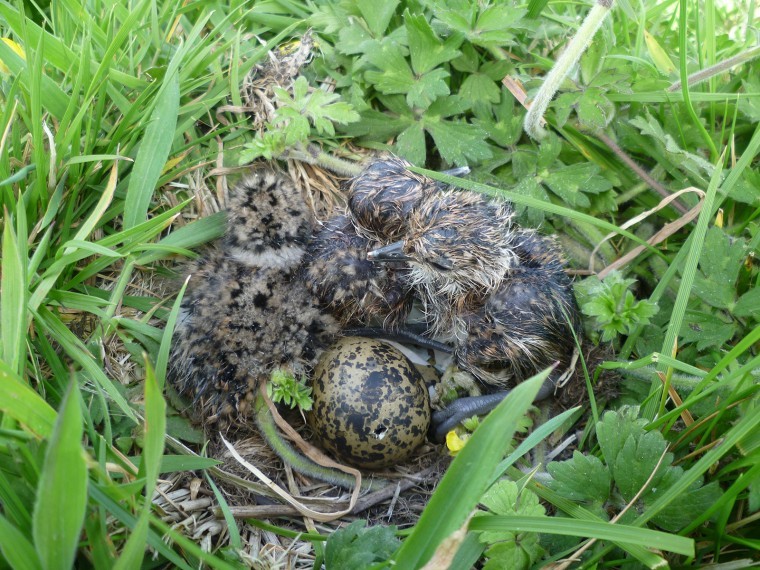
[[567, 60]]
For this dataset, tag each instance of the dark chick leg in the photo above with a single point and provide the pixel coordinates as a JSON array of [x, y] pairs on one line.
[[447, 419]]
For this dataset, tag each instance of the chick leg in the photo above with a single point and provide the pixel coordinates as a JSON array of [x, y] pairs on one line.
[[447, 419]]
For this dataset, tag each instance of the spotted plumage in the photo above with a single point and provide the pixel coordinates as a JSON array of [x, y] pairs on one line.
[[354, 290], [243, 315]]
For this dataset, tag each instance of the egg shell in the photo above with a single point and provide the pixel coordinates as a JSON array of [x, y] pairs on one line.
[[371, 405]]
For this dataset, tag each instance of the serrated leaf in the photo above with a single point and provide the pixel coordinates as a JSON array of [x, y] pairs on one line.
[[706, 330], [479, 88], [548, 152], [529, 186], [428, 88], [354, 40], [614, 429], [355, 546], [459, 142], [595, 111], [411, 144], [748, 304], [572, 182], [425, 48], [61, 501], [563, 106], [513, 554], [637, 460], [494, 24], [510, 549], [718, 294], [396, 75], [456, 15], [722, 256], [584, 478], [695, 502], [506, 498], [377, 14]]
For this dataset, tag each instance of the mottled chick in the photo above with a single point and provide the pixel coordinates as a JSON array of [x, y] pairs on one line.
[[526, 323], [497, 292], [383, 195], [459, 246], [357, 292], [241, 317]]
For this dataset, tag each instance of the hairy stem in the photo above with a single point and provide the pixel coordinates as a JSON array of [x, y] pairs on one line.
[[569, 57]]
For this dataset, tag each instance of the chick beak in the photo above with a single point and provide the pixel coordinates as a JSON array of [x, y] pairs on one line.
[[392, 252]]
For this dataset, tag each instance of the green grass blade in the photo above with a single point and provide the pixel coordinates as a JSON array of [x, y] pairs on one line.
[[590, 529], [24, 405], [153, 153], [62, 493], [163, 352], [468, 476], [12, 302], [100, 208], [655, 405], [16, 549], [79, 353], [155, 430], [747, 425], [100, 495], [537, 435]]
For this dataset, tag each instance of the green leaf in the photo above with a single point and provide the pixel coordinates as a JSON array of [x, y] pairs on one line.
[[613, 431], [410, 144], [748, 304], [377, 14], [480, 88], [428, 88], [584, 478], [24, 405], [493, 26], [722, 257], [425, 48], [595, 111], [706, 330], [150, 467], [572, 182], [62, 491], [637, 460], [506, 498], [355, 546], [13, 299], [458, 142], [462, 487], [153, 153], [16, 548], [696, 500]]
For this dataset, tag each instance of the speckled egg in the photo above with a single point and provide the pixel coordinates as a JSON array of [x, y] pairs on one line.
[[371, 406]]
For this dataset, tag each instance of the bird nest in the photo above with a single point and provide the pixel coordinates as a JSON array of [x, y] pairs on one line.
[[248, 464]]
